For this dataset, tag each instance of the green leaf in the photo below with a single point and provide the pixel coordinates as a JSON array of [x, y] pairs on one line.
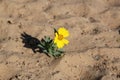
[[42, 42], [41, 46], [47, 39], [45, 51], [57, 54], [50, 51], [61, 50]]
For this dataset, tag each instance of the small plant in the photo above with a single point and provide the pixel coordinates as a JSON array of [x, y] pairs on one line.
[[54, 47]]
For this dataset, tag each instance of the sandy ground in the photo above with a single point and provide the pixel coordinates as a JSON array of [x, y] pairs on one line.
[[94, 49]]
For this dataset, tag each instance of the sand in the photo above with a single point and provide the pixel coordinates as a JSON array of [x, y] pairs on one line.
[[92, 54]]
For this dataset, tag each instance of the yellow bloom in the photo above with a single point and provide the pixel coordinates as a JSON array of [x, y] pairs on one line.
[[60, 36]]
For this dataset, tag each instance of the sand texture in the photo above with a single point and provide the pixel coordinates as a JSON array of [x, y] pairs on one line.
[[92, 54]]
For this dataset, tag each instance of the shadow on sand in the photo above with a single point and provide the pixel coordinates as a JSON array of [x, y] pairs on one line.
[[30, 42]]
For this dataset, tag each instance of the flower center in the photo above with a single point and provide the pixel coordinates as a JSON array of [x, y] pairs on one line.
[[60, 37]]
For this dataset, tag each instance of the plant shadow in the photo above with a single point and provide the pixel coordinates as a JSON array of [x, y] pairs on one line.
[[30, 42]]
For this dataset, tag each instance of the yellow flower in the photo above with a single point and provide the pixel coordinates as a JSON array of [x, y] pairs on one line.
[[60, 36]]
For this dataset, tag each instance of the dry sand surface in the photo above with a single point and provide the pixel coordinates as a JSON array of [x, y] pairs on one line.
[[92, 54]]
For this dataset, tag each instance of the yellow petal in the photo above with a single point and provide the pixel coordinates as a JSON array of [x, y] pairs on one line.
[[60, 44], [55, 40], [56, 34], [63, 32], [65, 41]]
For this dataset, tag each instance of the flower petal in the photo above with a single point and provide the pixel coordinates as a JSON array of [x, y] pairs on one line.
[[63, 32], [60, 44], [56, 38], [65, 41], [56, 34]]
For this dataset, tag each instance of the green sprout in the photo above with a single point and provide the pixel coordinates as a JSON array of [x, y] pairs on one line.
[[54, 47], [48, 46]]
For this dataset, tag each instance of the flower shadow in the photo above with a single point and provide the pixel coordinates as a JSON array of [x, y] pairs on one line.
[[30, 42]]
